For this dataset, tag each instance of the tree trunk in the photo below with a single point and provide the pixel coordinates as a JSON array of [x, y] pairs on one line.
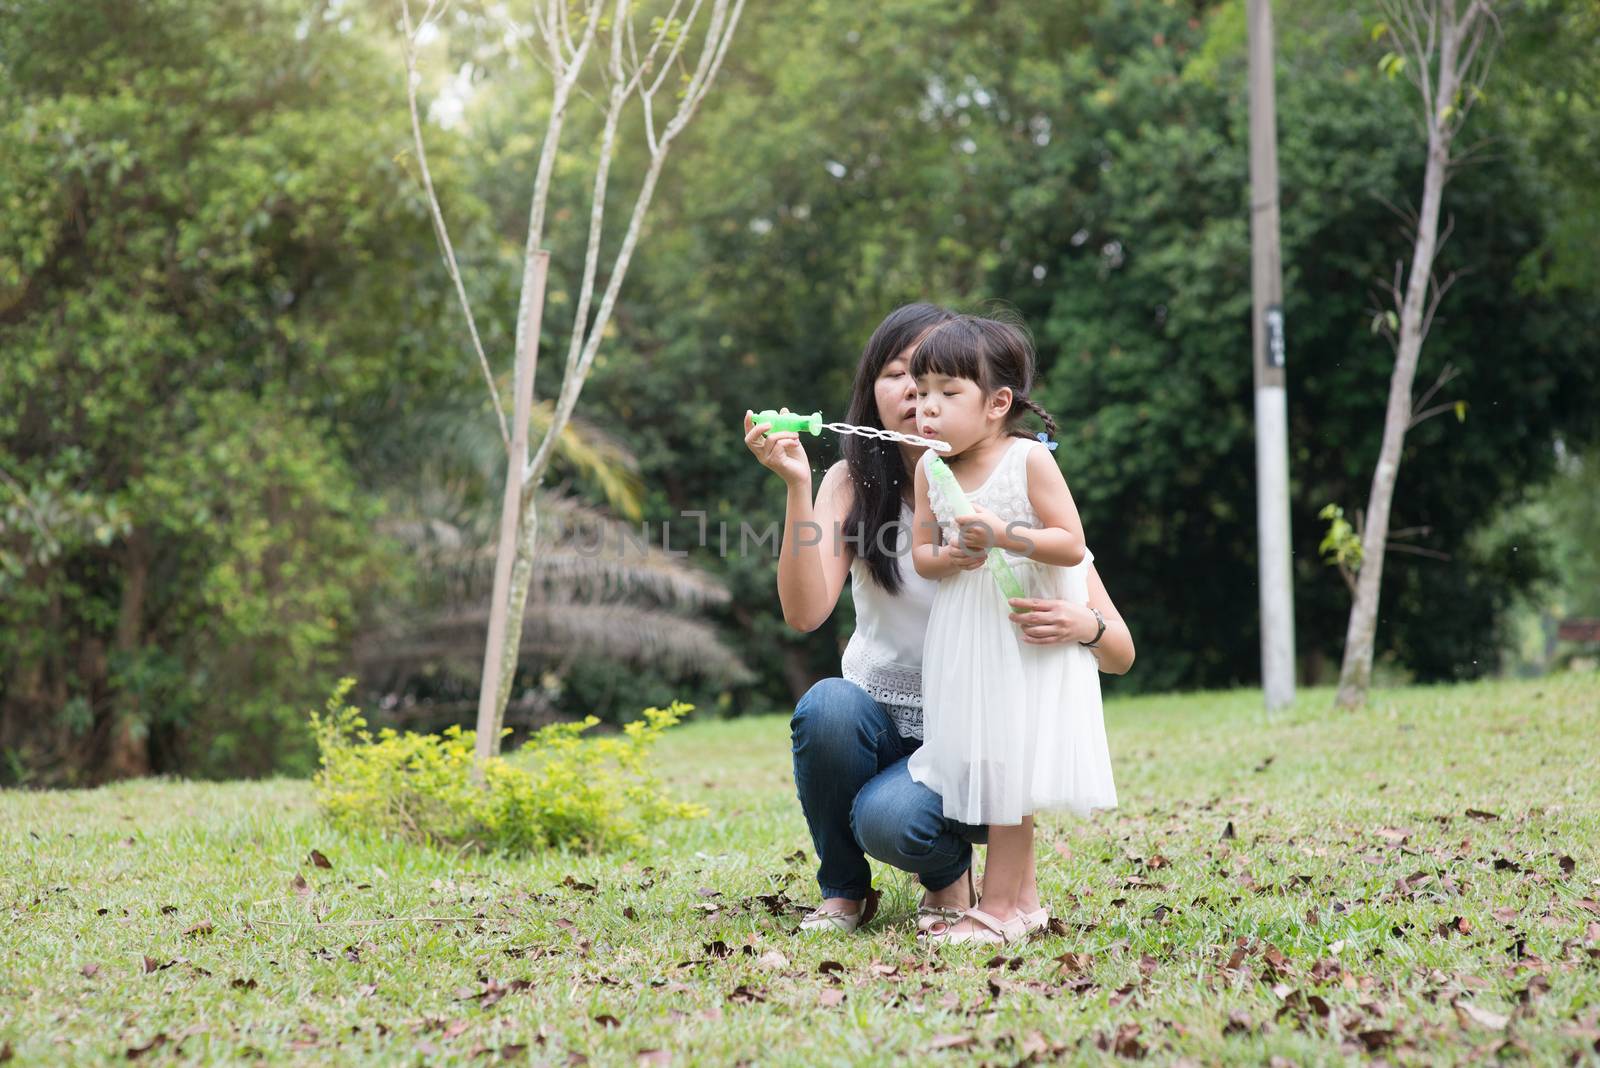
[[1355, 676], [128, 749], [507, 601]]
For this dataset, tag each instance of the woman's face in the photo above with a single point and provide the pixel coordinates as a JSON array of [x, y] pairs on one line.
[[897, 394], [955, 410]]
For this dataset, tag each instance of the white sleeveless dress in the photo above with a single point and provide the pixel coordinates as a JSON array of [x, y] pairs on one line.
[[1009, 728]]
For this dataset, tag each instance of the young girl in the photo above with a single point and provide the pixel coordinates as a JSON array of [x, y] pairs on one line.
[[1010, 728]]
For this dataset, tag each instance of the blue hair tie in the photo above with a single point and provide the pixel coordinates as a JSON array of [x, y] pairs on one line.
[[1044, 439]]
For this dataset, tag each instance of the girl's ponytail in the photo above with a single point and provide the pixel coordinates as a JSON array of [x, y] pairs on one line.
[[1037, 409]]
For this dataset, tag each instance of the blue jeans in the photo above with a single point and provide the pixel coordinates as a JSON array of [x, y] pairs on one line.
[[859, 800]]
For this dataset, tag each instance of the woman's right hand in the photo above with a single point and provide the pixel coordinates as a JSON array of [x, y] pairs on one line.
[[780, 451]]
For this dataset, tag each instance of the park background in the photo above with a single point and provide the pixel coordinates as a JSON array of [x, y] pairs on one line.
[[245, 452], [247, 449]]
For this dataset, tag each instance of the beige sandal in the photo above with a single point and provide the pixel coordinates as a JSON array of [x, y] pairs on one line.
[[833, 919], [992, 931], [1036, 920], [943, 918]]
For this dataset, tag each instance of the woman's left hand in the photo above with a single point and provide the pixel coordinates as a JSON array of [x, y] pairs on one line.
[[1046, 622]]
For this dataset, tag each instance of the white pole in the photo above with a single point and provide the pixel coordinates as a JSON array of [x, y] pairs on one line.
[[1272, 415]]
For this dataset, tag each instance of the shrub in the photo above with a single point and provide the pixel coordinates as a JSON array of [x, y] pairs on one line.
[[560, 789]]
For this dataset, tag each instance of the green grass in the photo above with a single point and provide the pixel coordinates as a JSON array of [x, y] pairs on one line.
[[1329, 811]]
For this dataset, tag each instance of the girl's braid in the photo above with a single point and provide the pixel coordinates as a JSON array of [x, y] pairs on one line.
[[1049, 422]]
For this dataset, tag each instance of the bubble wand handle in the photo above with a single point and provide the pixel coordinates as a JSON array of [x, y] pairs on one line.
[[940, 472], [812, 424]]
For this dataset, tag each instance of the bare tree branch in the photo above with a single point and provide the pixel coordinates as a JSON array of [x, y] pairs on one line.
[[1448, 374], [1416, 550], [440, 231], [719, 34]]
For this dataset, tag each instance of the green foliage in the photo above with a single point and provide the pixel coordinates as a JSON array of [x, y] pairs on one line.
[[1087, 163], [1340, 546], [214, 282], [561, 789]]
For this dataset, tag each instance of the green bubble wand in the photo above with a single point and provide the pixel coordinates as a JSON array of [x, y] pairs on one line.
[[937, 469]]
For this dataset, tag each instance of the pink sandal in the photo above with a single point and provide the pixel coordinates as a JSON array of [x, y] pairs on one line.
[[1036, 920], [943, 918], [993, 930]]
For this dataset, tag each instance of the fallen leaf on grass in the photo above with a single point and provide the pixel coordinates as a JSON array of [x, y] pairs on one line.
[[772, 959], [299, 885], [89, 971], [572, 884], [1075, 963], [202, 928], [654, 1056], [830, 967], [157, 1040], [746, 995], [1480, 814], [320, 861], [1125, 1043], [605, 1019], [1376, 1039], [951, 1042], [1468, 1013], [718, 949], [243, 984], [1568, 865], [1228, 832], [1457, 925], [830, 998]]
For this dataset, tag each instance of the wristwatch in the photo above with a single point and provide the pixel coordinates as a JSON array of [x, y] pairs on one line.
[[1101, 633]]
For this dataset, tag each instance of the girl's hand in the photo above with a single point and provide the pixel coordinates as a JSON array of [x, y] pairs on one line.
[[981, 530], [965, 559], [782, 451], [1046, 622]]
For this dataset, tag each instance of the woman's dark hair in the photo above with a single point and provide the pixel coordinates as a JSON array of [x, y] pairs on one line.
[[877, 470], [990, 352]]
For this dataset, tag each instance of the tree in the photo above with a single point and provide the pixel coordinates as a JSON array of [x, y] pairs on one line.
[[601, 591], [211, 261], [1447, 55], [567, 41]]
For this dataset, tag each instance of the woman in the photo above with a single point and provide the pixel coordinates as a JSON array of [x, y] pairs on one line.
[[852, 735]]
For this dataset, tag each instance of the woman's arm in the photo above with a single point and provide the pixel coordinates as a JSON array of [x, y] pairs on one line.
[[812, 560], [1046, 622]]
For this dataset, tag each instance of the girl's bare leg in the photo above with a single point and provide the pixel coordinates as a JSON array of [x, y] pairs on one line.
[[1029, 898], [1005, 873]]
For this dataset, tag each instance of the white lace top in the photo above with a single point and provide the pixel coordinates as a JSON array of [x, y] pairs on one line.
[[884, 655]]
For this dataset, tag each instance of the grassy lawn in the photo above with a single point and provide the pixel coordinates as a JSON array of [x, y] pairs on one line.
[[1417, 882]]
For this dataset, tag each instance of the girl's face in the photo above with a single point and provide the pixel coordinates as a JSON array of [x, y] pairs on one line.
[[955, 410], [897, 394]]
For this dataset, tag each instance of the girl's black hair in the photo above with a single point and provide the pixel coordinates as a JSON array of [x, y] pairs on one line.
[[990, 352], [877, 470]]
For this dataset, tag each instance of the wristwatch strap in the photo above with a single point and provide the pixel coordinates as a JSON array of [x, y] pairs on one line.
[[1101, 633]]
